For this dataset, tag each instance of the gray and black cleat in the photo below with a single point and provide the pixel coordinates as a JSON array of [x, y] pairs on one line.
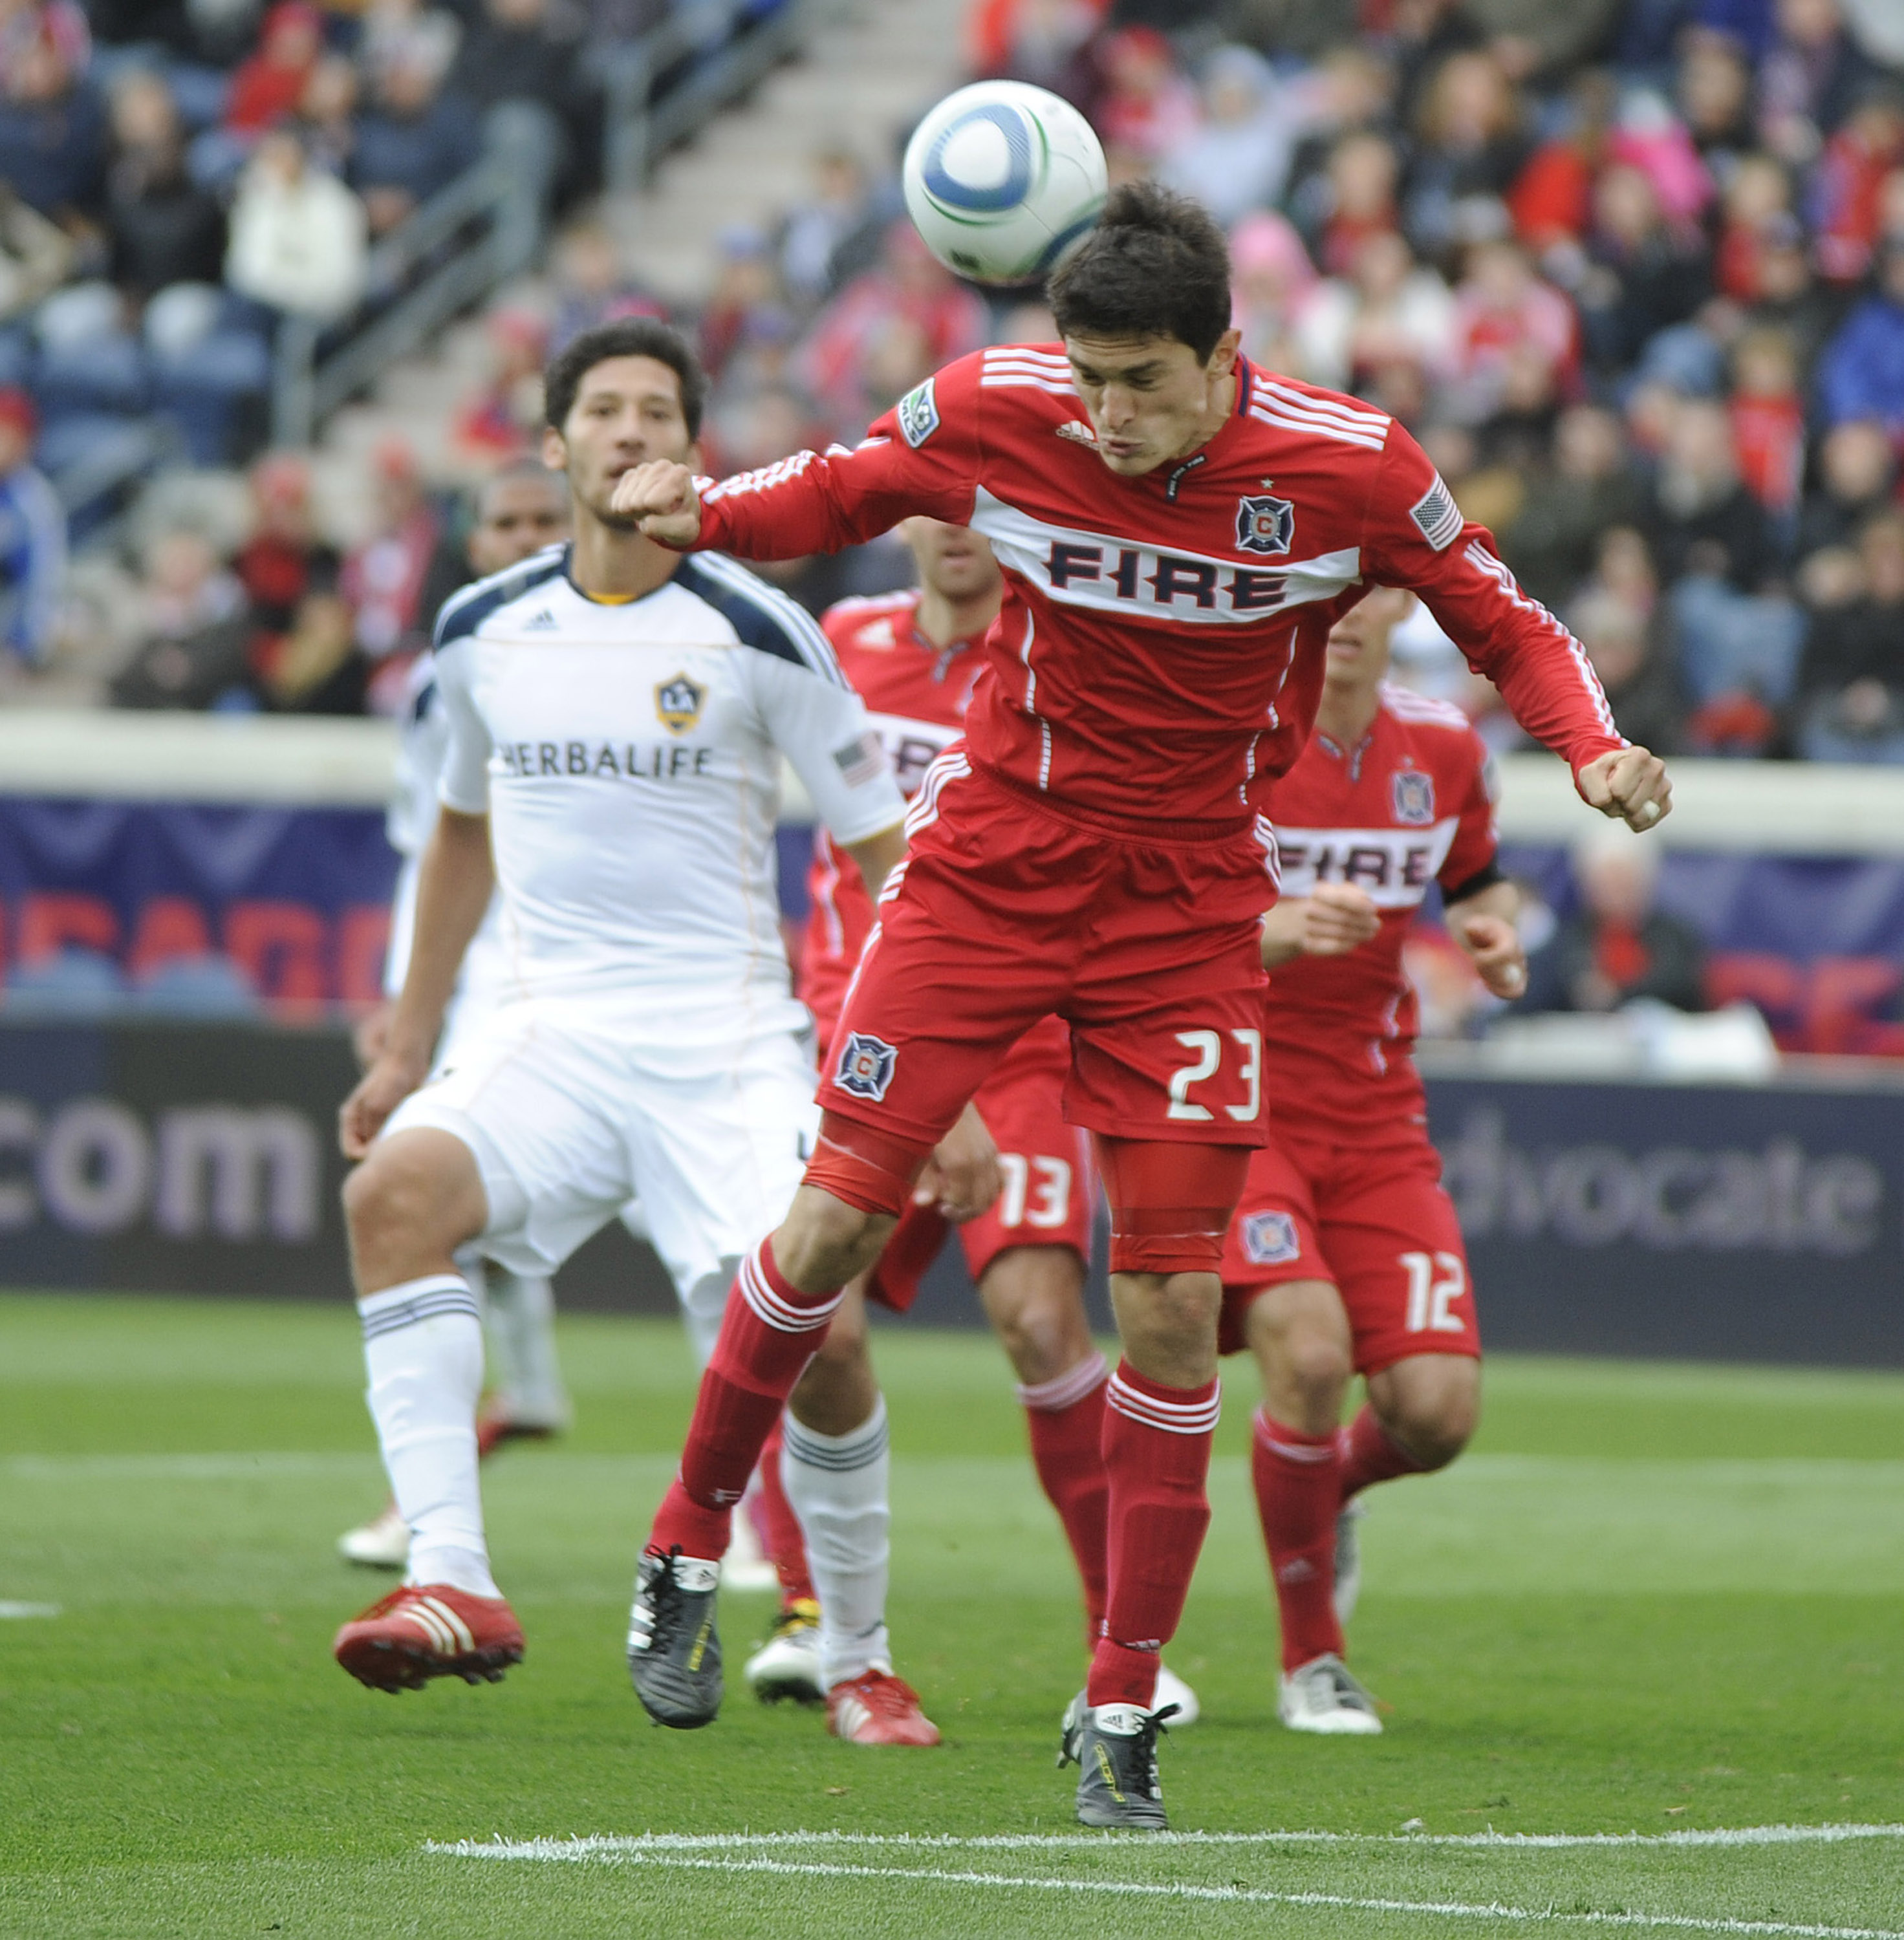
[[674, 1651], [1114, 1749]]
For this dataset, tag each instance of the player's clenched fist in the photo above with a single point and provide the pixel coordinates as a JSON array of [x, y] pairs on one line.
[[1493, 946], [961, 1178], [1629, 785], [661, 497], [380, 1091]]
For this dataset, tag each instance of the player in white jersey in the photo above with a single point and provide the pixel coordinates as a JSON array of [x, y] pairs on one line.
[[617, 717], [517, 512]]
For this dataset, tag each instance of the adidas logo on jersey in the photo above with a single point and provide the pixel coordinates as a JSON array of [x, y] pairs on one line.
[[1078, 433], [544, 622]]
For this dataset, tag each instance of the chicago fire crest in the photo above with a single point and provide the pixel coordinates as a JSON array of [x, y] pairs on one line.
[[865, 1065], [1264, 524], [1413, 794]]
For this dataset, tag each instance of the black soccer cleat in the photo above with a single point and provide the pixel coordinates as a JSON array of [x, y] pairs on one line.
[[674, 1651], [1114, 1749]]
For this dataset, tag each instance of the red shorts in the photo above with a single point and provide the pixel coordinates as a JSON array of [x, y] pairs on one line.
[[1051, 1184], [1376, 1224], [1004, 911]]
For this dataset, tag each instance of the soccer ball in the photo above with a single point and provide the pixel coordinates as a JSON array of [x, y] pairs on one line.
[[1003, 181]]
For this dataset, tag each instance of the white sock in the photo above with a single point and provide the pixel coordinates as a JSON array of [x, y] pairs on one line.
[[521, 1329], [838, 1486], [423, 1352]]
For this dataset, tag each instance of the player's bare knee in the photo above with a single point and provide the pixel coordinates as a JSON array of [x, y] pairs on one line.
[[1034, 1297], [823, 1243], [408, 1205], [1318, 1364], [1429, 1404], [1300, 1329], [1168, 1324]]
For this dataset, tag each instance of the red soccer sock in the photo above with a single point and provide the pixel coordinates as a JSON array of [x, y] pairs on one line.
[[780, 1535], [1298, 1497], [768, 1334], [1065, 1417], [1157, 1459], [1368, 1455]]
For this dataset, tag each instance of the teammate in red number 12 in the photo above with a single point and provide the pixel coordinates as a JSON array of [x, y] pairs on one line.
[[1178, 530]]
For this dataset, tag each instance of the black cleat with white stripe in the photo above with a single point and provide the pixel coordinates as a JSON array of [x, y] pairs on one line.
[[674, 1650], [1114, 1749]]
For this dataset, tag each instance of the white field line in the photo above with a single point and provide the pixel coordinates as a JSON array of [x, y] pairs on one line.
[[677, 1860], [8, 1610], [607, 1845]]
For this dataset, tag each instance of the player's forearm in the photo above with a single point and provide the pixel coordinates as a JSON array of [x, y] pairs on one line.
[[1283, 933], [786, 511], [824, 502], [877, 857], [453, 888], [1541, 671]]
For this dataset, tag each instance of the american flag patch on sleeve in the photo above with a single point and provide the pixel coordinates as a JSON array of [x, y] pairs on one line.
[[1438, 516], [861, 760]]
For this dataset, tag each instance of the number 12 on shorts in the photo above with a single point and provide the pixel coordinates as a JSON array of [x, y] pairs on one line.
[[1208, 1045], [1429, 1298]]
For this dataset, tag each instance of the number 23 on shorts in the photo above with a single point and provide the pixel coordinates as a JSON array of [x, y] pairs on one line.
[[1207, 1049]]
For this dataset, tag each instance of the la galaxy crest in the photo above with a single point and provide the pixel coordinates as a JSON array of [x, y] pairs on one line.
[[1412, 794], [679, 702], [1265, 524]]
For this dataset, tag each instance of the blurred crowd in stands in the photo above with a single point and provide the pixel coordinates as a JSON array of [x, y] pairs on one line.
[[177, 177], [1632, 270]]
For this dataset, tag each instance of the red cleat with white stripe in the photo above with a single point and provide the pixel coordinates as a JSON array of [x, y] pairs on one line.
[[876, 1708], [422, 1630]]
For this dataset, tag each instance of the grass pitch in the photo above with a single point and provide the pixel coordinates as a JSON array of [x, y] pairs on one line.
[[1656, 1608]]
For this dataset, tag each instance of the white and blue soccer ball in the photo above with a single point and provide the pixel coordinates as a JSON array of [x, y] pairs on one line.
[[1004, 180]]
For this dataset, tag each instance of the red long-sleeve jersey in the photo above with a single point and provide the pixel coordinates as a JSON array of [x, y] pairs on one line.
[[1409, 805], [1160, 654], [915, 695]]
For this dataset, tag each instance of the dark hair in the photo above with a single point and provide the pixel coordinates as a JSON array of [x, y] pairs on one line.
[[1156, 265], [631, 337]]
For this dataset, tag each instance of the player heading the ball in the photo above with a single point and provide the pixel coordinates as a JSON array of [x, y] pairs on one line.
[[1178, 530]]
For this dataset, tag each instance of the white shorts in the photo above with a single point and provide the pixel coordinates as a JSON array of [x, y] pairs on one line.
[[569, 1114]]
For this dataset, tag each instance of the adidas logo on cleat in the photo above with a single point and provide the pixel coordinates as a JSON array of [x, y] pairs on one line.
[[446, 1631], [419, 1632]]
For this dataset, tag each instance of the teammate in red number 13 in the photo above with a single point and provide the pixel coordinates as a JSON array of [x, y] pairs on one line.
[[1178, 529]]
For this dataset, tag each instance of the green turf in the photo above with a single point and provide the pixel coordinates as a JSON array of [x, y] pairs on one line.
[[1652, 1600]]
